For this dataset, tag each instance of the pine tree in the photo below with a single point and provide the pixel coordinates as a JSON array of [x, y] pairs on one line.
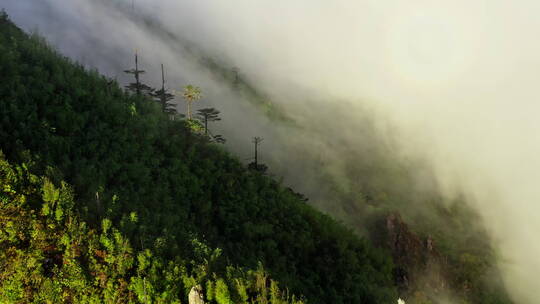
[[163, 96], [255, 164], [137, 87], [208, 114]]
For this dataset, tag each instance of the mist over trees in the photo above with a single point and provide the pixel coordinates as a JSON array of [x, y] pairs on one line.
[[92, 171], [164, 97], [208, 115], [137, 87], [158, 210], [191, 94], [255, 165]]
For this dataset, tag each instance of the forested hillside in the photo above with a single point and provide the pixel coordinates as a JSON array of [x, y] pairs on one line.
[[49, 255], [154, 209]]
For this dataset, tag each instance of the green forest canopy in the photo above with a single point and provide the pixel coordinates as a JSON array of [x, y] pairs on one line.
[[148, 183]]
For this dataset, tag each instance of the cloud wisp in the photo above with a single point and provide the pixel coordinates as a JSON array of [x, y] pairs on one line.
[[451, 83]]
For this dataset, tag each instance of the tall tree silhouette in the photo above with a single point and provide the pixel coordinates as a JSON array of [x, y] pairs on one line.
[[191, 93], [163, 96], [255, 164], [137, 87], [208, 115]]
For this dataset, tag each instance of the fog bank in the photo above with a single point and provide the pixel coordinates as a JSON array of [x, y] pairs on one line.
[[451, 82]]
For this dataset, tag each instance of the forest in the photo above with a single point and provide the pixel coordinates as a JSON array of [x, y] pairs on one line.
[[109, 196], [144, 182]]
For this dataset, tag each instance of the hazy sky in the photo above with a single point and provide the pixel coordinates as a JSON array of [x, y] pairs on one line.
[[457, 79]]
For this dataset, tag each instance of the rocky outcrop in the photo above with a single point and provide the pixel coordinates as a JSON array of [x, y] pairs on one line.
[[196, 295], [418, 264]]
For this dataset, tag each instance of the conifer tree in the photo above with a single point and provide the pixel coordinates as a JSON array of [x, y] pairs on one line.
[[163, 96], [137, 87], [255, 164], [208, 115]]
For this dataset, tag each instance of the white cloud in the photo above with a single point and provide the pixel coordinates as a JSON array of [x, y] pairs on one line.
[[458, 79]]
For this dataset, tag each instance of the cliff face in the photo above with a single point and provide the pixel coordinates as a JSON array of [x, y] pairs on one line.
[[419, 267]]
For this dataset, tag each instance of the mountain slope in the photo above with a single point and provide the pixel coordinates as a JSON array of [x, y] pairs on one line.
[[48, 255], [127, 160]]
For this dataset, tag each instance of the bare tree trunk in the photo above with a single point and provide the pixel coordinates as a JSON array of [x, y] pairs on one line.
[[162, 97], [256, 162], [137, 75]]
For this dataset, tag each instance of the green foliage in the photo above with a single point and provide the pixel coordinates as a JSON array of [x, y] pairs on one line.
[[162, 96], [137, 87], [191, 94], [154, 201], [44, 259], [222, 292]]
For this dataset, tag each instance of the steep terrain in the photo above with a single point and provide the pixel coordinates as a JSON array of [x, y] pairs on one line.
[[165, 188], [159, 187], [49, 255]]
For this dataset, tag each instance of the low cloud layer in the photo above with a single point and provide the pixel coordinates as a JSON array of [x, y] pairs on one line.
[[451, 82]]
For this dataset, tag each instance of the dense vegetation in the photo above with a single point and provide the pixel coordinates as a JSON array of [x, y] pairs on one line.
[[149, 195], [370, 182], [48, 255], [373, 183]]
